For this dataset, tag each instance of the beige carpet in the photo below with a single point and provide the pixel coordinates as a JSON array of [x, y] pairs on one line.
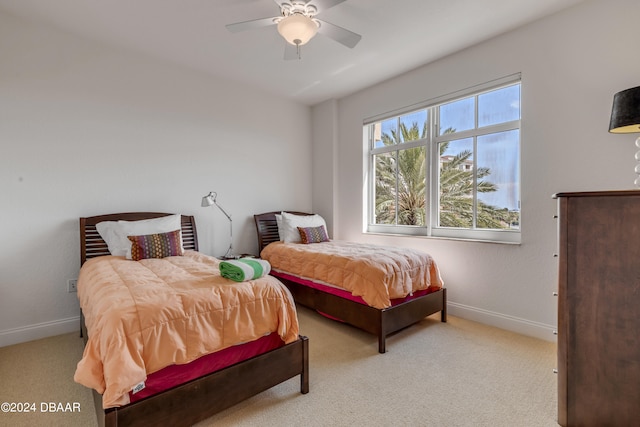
[[455, 374]]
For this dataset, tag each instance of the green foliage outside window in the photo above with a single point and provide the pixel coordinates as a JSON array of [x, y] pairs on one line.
[[401, 185]]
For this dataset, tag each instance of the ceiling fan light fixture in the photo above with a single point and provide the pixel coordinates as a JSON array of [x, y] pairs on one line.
[[297, 29]]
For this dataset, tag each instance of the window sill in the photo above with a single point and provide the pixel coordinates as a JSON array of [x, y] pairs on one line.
[[458, 239]]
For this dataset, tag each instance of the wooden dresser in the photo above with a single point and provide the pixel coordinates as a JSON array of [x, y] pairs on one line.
[[599, 309]]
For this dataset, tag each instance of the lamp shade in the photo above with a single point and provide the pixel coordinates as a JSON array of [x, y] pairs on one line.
[[209, 200], [625, 114], [297, 29]]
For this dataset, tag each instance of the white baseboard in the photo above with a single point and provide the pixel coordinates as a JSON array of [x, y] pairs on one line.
[[40, 330], [502, 321]]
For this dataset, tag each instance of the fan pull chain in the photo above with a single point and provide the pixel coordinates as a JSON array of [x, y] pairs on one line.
[[297, 42]]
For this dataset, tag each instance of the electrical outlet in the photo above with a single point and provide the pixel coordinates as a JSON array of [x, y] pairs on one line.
[[72, 285]]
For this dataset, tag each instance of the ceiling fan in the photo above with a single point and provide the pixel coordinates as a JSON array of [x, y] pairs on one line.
[[297, 24]]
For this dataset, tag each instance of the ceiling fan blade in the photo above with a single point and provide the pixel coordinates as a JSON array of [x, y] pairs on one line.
[[339, 34], [323, 5], [249, 25], [290, 51]]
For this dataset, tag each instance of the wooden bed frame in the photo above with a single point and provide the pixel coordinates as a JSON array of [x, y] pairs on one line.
[[203, 397], [380, 322]]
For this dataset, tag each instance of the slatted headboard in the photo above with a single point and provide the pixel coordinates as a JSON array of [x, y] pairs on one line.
[[267, 227], [92, 245]]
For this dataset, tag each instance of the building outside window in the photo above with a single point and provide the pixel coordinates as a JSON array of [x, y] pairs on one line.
[[450, 168]]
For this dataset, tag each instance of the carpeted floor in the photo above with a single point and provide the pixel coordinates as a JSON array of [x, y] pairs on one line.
[[459, 373]]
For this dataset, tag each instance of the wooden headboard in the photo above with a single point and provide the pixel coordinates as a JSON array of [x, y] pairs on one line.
[[92, 245], [268, 228]]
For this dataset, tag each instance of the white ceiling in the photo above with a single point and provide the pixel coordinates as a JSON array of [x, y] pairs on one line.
[[397, 36]]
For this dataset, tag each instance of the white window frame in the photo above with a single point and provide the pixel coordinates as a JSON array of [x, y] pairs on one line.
[[430, 229]]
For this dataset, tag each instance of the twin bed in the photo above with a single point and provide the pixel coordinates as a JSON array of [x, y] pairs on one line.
[[312, 279], [219, 361], [170, 341]]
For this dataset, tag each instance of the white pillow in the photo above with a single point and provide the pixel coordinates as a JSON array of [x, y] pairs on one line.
[[279, 224], [291, 222], [111, 233], [115, 233]]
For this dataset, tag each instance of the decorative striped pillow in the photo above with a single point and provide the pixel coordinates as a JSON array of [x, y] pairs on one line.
[[313, 234], [156, 245]]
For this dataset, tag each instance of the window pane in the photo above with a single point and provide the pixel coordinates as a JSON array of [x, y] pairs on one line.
[[456, 183], [457, 116], [411, 186], [499, 106], [388, 134], [498, 180], [376, 130], [413, 126], [385, 188]]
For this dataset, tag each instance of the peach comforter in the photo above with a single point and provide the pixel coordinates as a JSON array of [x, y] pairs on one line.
[[376, 273], [142, 316]]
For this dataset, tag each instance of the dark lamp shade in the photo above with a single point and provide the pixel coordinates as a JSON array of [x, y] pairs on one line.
[[625, 114]]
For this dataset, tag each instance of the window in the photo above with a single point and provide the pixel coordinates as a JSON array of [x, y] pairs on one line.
[[450, 168]]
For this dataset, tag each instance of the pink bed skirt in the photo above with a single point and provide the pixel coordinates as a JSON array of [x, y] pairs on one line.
[[175, 375], [346, 294]]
